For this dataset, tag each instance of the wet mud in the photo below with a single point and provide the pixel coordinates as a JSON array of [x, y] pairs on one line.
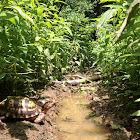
[[103, 120], [73, 122]]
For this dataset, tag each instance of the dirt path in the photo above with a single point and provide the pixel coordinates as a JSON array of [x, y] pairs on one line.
[[25, 130], [121, 126]]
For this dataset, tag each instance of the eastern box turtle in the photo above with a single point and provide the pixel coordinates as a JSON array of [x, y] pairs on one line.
[[25, 108]]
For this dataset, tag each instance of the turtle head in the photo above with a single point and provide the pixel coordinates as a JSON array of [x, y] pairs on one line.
[[48, 105]]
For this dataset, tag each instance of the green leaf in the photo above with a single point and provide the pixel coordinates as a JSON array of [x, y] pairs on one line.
[[138, 100], [2, 75], [62, 19], [25, 16], [47, 52], [23, 49], [69, 30], [49, 24], [131, 11], [13, 20], [33, 3], [137, 113], [102, 1], [5, 15], [113, 126], [126, 77], [106, 16], [17, 19], [126, 55], [52, 35], [40, 11], [57, 39], [37, 2], [96, 19], [113, 6], [60, 1], [37, 38], [78, 63], [40, 48]]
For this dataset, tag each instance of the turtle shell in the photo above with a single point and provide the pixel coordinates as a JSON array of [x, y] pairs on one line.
[[19, 107]]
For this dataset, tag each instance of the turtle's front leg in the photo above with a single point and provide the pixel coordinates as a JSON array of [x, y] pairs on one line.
[[2, 118], [39, 118]]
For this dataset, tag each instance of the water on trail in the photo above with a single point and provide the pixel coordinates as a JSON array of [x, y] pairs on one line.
[[73, 123]]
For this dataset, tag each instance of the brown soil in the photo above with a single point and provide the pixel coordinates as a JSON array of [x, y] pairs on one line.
[[25, 130], [113, 107], [114, 115]]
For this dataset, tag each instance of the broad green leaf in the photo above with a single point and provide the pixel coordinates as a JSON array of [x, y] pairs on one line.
[[78, 63], [57, 39], [62, 19], [47, 53], [102, 1], [30, 44], [106, 16], [53, 9], [40, 11], [40, 48], [44, 72], [134, 61], [49, 24], [60, 1], [113, 126], [25, 16], [69, 30], [13, 20], [63, 70], [96, 19], [21, 2], [37, 2], [52, 35], [37, 38], [5, 15], [17, 19], [2, 75], [21, 60], [56, 16], [131, 11], [113, 6], [138, 100], [23, 49], [126, 55], [29, 69], [137, 113], [23, 38], [33, 3], [126, 77]]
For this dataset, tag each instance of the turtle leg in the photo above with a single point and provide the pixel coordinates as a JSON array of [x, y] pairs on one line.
[[2, 117], [39, 118]]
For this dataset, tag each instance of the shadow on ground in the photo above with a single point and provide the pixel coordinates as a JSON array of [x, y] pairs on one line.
[[17, 129]]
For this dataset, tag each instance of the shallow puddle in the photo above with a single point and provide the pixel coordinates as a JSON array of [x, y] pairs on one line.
[[72, 122]]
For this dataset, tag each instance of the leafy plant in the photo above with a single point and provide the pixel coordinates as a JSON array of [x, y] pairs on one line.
[[119, 56], [33, 44]]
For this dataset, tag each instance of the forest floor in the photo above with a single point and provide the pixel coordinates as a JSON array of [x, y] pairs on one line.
[[104, 104]]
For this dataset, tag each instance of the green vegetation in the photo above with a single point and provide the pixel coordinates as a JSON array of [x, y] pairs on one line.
[[40, 40], [34, 46]]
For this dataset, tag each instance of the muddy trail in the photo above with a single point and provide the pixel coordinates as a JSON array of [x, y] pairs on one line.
[[100, 119]]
